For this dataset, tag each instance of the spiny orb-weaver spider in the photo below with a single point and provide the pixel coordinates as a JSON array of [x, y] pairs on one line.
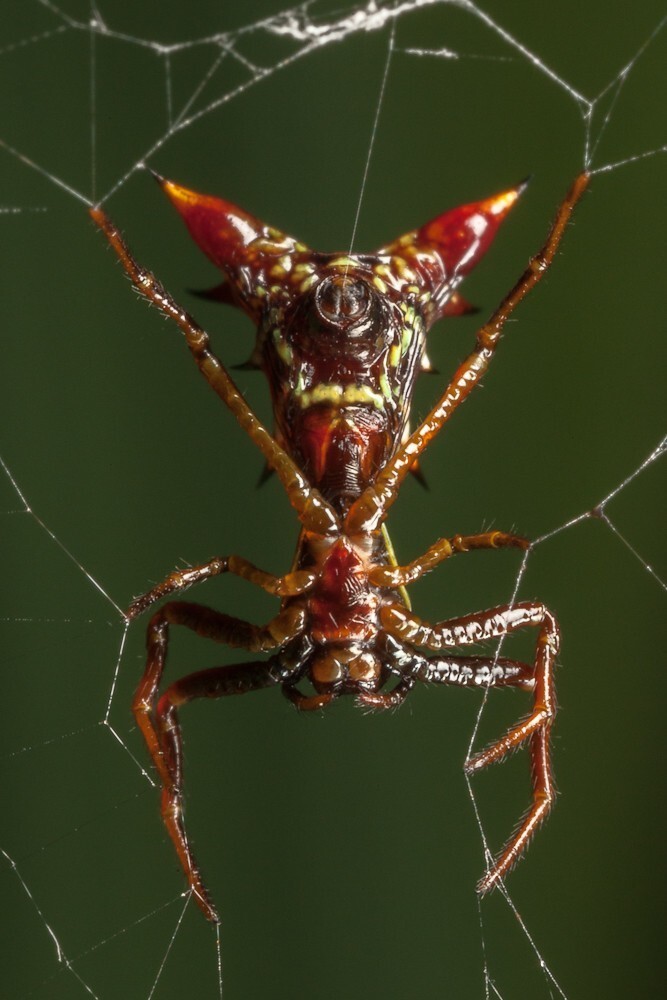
[[341, 339]]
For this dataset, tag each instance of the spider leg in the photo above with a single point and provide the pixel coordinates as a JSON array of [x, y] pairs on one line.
[[314, 512], [365, 699], [468, 629], [210, 625], [308, 702], [289, 585], [380, 700], [476, 671], [216, 682], [371, 508], [400, 576], [535, 729]]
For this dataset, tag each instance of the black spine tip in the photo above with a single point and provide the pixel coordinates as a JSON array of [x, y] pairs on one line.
[[522, 185], [264, 476], [156, 176], [245, 366]]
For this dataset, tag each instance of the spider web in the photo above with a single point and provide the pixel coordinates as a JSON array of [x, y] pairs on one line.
[[342, 850]]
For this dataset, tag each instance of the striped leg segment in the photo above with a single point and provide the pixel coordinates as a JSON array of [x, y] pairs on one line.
[[537, 677]]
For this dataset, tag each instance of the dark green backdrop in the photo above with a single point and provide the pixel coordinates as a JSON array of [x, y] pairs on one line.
[[342, 849]]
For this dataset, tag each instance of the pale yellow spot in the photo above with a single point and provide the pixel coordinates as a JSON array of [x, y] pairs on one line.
[[343, 262], [386, 388], [308, 282], [336, 395], [402, 268], [261, 243], [282, 347]]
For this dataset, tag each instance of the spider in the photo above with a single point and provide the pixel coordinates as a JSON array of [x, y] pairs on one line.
[[341, 339]]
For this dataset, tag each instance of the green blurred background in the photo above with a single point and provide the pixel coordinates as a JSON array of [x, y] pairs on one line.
[[342, 849]]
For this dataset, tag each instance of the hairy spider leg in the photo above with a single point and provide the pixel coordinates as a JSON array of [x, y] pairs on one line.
[[382, 700], [371, 508], [312, 509], [400, 576], [474, 671], [217, 682], [409, 628], [314, 512], [157, 719], [289, 585]]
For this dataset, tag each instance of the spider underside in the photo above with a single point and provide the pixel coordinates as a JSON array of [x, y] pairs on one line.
[[344, 624]]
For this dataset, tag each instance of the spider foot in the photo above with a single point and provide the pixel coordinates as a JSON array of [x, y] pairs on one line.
[[172, 815], [517, 844], [204, 902]]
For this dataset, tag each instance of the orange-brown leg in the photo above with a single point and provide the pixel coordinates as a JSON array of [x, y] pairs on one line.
[[154, 720], [289, 585], [308, 702], [535, 729], [381, 700], [214, 683], [315, 513], [210, 625], [401, 576], [372, 507]]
